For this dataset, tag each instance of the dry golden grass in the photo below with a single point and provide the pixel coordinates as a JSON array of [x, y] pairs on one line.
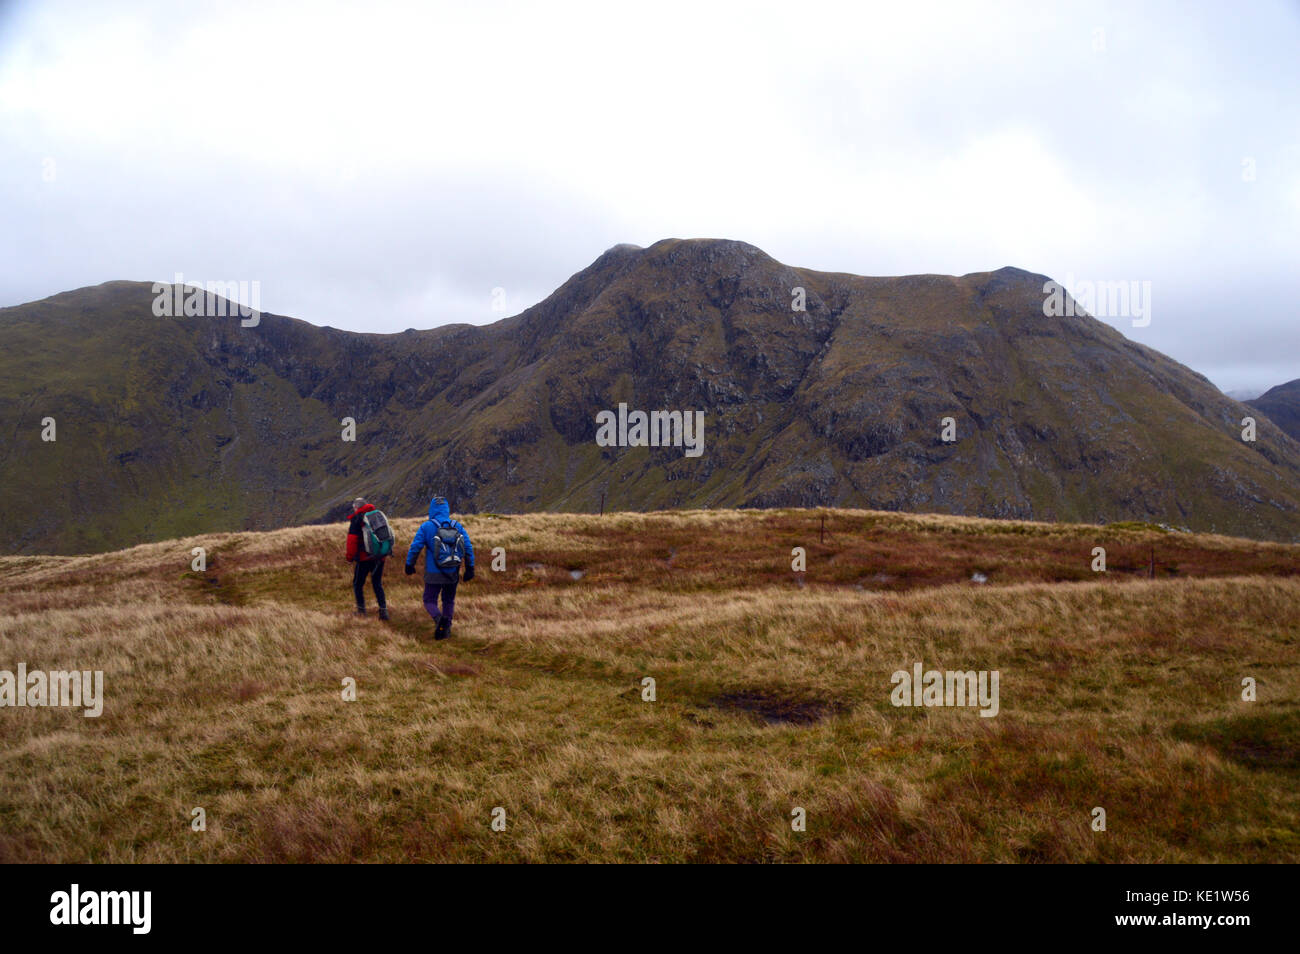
[[223, 691]]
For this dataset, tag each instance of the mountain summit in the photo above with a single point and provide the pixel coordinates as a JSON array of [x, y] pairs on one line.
[[816, 388]]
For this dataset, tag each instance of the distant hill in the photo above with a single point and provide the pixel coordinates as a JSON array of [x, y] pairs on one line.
[[167, 427], [1282, 405]]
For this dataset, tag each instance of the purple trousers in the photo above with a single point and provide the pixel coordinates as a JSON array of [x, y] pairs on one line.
[[448, 593]]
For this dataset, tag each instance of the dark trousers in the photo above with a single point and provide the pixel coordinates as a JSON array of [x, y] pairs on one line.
[[448, 593], [375, 570]]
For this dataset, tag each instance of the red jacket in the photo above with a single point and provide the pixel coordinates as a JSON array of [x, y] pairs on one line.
[[355, 550]]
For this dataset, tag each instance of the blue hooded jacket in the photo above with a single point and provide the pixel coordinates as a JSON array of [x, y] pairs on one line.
[[439, 513]]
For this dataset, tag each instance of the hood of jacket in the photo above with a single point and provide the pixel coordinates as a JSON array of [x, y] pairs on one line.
[[364, 508], [439, 510]]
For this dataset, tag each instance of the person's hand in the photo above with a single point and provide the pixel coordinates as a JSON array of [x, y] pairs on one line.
[[469, 573], [409, 569]]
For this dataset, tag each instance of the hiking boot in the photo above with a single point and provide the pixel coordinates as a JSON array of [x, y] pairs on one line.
[[383, 612], [361, 611], [442, 630]]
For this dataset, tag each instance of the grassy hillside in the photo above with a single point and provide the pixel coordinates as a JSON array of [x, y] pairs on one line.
[[173, 426], [773, 691]]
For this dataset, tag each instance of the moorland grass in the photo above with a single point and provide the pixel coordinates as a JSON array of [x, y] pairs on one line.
[[223, 690]]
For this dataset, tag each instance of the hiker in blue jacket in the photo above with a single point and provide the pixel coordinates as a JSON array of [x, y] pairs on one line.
[[449, 549]]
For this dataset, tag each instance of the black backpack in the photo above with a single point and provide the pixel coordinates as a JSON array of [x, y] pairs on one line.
[[448, 547]]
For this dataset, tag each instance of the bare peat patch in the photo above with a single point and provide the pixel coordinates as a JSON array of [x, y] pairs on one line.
[[778, 706], [445, 668], [249, 689], [1269, 741]]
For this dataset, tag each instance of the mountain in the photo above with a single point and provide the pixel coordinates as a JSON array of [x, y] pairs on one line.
[[174, 426], [1282, 405]]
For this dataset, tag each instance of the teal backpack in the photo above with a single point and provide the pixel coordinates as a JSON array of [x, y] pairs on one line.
[[376, 535]]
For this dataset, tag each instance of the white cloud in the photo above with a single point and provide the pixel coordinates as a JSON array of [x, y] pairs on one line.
[[386, 165]]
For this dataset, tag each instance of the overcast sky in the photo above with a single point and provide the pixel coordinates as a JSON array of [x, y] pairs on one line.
[[383, 166]]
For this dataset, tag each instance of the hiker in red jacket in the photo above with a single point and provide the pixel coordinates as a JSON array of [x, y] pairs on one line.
[[367, 566]]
